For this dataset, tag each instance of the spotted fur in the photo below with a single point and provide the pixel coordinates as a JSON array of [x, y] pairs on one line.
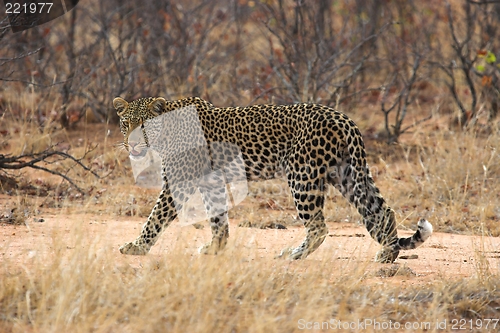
[[313, 145]]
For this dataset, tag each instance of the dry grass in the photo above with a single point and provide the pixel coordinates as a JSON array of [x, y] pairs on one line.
[[450, 177], [87, 290]]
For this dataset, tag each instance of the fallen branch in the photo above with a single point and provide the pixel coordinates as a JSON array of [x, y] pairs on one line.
[[8, 162]]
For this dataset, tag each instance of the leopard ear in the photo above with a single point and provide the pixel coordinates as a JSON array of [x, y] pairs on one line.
[[120, 105], [158, 106]]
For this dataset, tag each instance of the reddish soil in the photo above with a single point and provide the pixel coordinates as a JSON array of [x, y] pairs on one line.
[[443, 256]]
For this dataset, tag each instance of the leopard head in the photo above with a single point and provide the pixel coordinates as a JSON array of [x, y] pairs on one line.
[[134, 114]]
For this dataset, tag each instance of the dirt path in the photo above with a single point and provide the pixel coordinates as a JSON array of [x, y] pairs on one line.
[[444, 256]]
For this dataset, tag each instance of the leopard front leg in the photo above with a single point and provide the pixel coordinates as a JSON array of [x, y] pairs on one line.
[[220, 234], [163, 213], [215, 201]]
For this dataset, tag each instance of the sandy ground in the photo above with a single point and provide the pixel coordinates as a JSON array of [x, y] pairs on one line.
[[443, 256]]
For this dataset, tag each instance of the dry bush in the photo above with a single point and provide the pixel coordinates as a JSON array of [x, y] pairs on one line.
[[466, 57], [317, 51], [237, 52], [106, 49]]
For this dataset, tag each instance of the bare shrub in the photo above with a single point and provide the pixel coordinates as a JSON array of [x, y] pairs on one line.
[[317, 51], [107, 49], [403, 54], [472, 34]]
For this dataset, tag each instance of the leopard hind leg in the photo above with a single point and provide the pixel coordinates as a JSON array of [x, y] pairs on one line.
[[356, 184], [309, 197]]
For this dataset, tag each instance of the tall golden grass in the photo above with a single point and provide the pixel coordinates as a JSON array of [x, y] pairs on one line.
[[74, 283]]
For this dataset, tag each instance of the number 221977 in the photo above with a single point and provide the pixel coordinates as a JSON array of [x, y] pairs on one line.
[[28, 8]]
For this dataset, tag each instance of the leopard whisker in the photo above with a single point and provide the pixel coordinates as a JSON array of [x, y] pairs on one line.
[[121, 146]]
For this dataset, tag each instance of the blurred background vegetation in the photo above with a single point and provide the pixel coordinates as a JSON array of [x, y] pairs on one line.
[[393, 57]]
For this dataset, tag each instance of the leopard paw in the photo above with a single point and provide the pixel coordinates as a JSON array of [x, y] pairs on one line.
[[133, 249], [292, 253], [386, 256], [209, 248]]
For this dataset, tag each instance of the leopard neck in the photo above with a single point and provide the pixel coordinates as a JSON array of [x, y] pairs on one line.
[[197, 101]]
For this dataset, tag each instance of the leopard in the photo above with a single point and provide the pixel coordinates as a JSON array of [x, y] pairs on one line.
[[313, 146]]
